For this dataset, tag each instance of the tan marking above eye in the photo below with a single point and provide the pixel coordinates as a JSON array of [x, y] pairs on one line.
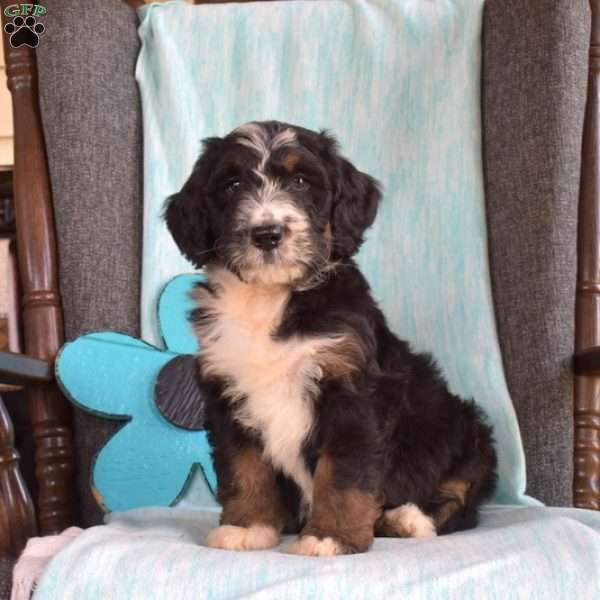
[[290, 161]]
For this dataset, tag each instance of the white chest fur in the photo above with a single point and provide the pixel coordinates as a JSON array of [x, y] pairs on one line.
[[272, 383]]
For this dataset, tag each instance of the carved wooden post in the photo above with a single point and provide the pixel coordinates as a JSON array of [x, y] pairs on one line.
[[19, 520], [42, 311], [586, 485]]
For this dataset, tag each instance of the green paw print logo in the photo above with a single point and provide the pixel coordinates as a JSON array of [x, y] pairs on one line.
[[25, 29]]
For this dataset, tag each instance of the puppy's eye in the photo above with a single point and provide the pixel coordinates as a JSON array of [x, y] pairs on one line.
[[300, 183], [233, 185]]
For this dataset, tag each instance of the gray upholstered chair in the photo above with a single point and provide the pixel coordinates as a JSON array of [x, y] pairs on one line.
[[535, 84]]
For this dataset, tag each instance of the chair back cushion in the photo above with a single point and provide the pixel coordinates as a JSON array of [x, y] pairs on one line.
[[535, 85], [534, 78], [91, 116]]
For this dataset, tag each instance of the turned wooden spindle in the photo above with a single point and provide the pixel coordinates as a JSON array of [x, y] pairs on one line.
[[42, 311], [17, 523], [586, 484]]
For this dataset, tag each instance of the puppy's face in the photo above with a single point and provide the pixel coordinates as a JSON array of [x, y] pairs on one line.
[[274, 203]]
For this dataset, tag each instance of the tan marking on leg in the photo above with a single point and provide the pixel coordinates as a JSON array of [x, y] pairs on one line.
[[455, 488], [342, 520], [256, 498], [452, 498], [253, 513]]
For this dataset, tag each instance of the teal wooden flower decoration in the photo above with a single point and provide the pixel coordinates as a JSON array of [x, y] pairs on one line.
[[149, 461]]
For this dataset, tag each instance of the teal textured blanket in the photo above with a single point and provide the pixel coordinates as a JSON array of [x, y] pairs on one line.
[[516, 553], [398, 81]]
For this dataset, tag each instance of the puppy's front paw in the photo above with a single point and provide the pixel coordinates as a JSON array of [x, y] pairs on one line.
[[255, 537], [310, 545]]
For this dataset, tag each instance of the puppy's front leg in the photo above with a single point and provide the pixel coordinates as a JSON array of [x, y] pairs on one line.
[[253, 514], [342, 519]]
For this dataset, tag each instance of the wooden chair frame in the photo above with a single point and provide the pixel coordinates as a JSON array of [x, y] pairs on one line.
[[43, 317]]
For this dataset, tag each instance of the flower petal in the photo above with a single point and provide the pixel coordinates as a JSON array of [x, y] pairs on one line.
[[174, 306], [149, 463], [110, 374]]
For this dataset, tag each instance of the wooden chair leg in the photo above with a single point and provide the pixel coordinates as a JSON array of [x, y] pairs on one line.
[[17, 518], [54, 459]]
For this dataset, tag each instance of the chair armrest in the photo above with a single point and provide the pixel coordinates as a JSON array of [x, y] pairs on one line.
[[18, 369]]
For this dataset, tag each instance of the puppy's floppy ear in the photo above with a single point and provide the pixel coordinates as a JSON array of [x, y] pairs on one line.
[[186, 212], [356, 197]]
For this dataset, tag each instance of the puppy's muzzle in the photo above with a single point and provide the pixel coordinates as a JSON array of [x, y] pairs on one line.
[[266, 237]]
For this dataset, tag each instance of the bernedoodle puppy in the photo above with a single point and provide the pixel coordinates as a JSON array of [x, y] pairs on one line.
[[322, 421]]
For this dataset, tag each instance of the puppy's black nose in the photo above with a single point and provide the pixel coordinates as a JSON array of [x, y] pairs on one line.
[[266, 237]]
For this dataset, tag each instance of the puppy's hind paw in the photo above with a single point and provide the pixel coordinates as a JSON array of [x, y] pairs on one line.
[[409, 520]]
